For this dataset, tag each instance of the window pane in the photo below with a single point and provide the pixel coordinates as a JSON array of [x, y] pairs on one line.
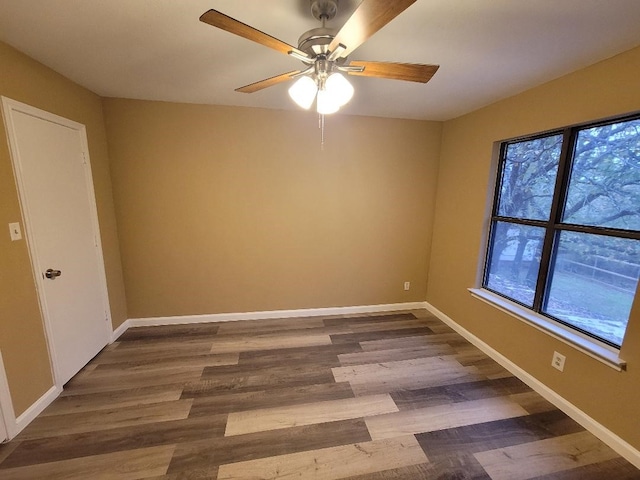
[[515, 260], [593, 283], [604, 188], [528, 178]]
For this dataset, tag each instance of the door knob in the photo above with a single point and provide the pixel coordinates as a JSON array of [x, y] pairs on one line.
[[52, 274]]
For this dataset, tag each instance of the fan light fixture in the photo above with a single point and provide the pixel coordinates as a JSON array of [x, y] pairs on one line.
[[324, 52], [330, 92]]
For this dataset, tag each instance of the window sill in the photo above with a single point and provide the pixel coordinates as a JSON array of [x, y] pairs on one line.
[[581, 343]]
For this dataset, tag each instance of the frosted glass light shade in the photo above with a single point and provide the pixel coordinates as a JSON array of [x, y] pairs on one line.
[[326, 103], [339, 88], [303, 91]]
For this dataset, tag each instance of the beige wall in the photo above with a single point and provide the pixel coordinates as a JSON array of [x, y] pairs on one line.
[[22, 339], [464, 187], [226, 209]]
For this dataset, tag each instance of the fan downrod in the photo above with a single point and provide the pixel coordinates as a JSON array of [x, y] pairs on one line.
[[315, 41]]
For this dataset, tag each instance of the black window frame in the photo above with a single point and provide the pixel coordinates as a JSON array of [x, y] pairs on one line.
[[554, 225]]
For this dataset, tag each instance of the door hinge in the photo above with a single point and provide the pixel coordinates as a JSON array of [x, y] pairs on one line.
[[84, 158]]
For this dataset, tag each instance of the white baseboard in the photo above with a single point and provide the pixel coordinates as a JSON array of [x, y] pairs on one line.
[[270, 314], [37, 408], [124, 326], [623, 448]]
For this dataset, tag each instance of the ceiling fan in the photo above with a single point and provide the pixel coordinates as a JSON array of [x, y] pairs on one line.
[[325, 52]]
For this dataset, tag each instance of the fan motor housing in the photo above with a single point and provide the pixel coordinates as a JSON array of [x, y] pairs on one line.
[[316, 41]]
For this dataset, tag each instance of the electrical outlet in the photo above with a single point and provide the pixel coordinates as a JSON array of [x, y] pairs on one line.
[[557, 361], [407, 285]]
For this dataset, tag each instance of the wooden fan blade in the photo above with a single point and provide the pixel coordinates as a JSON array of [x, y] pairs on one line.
[[411, 72], [267, 82], [369, 17], [231, 25]]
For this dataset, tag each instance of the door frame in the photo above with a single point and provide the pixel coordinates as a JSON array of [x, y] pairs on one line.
[[9, 107], [7, 415]]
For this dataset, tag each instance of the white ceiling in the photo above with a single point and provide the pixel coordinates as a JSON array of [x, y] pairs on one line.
[[158, 50]]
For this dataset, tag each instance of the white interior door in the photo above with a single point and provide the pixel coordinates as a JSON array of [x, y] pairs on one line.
[[53, 174]]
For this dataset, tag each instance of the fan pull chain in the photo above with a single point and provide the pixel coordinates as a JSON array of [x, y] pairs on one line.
[[321, 127]]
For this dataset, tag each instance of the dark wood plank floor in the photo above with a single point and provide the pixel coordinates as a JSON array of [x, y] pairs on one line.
[[387, 396]]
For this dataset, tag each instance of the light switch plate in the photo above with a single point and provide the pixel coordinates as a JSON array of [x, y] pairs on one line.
[[15, 232]]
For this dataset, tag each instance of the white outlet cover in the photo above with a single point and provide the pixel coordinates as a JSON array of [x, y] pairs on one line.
[[557, 361]]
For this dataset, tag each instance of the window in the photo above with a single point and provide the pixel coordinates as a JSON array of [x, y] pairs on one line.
[[565, 229]]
